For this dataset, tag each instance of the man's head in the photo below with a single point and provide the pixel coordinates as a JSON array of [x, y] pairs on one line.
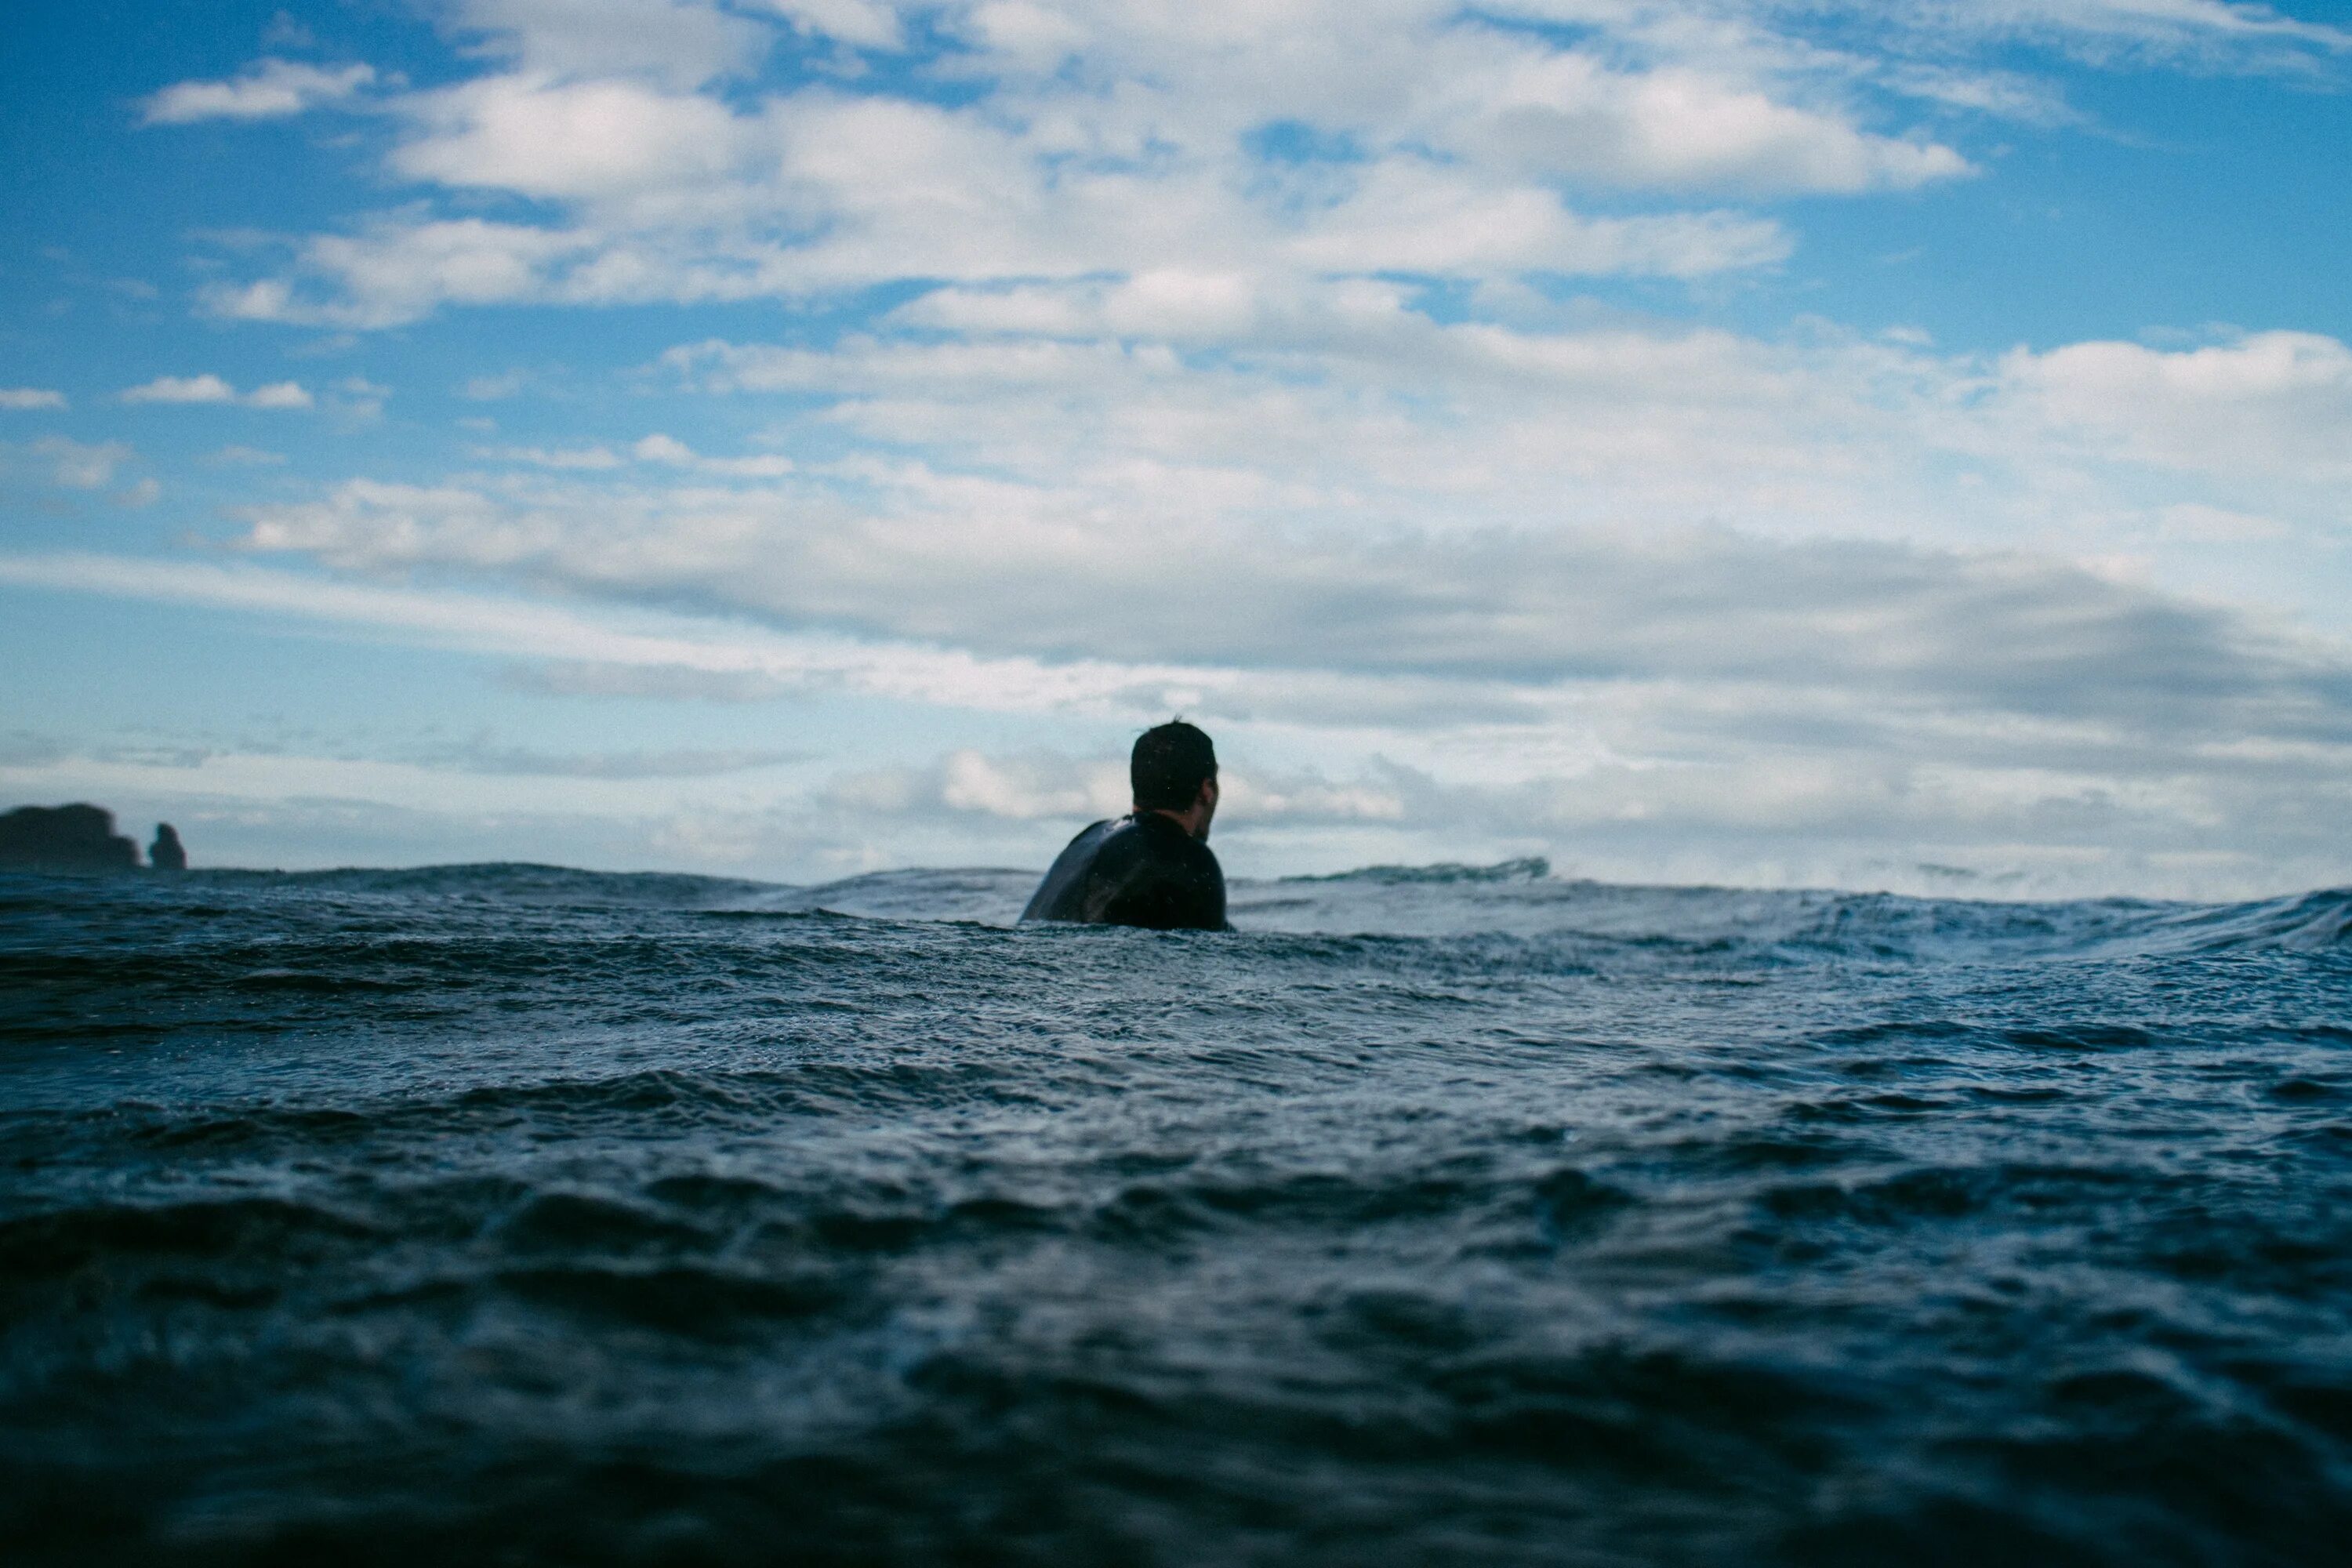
[[1174, 770]]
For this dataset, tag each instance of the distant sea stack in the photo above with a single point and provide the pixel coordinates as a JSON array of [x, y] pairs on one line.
[[167, 853], [67, 838]]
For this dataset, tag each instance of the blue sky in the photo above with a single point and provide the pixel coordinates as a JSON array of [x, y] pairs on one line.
[[1899, 445]]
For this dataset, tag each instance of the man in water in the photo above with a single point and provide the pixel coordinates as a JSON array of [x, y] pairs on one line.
[[1151, 867]]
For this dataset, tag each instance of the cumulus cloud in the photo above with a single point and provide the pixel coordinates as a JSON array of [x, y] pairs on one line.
[[183, 389], [2269, 403], [213, 389], [269, 90], [1565, 113], [1458, 146], [1216, 378], [1089, 138], [868, 23], [30, 397], [546, 138], [682, 43], [82, 466], [665, 451]]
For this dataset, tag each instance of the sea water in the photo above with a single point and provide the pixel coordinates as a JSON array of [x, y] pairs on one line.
[[517, 1215]]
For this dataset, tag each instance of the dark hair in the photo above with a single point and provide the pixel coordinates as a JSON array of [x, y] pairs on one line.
[[1170, 764]]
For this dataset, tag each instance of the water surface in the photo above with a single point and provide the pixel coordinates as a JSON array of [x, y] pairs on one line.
[[520, 1215]]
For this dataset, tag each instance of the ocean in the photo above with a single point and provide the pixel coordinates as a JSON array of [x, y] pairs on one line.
[[508, 1214]]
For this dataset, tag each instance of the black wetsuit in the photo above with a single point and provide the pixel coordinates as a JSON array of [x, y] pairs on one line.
[[1139, 871]]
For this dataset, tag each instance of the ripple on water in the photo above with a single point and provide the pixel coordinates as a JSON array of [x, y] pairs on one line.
[[519, 1215]]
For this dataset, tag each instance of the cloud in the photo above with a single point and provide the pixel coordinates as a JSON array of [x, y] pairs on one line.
[[279, 394], [1462, 149], [1564, 113], [1907, 630], [1051, 787], [1213, 376], [485, 755], [544, 138], [2101, 31], [664, 450], [867, 24], [2153, 24], [189, 389], [2070, 733], [1096, 489], [582, 647], [399, 270], [677, 454], [680, 43], [269, 90], [2272, 403], [30, 397], [574, 457], [74, 465], [183, 389]]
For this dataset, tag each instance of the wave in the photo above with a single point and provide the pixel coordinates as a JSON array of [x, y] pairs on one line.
[[1529, 868], [1518, 900], [522, 881]]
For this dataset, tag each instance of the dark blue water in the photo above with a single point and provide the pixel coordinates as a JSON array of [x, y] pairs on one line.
[[524, 1215]]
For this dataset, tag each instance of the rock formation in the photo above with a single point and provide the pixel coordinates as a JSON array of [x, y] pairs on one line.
[[64, 839], [167, 853]]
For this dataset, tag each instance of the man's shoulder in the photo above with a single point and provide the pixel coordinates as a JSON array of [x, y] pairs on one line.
[[1197, 852], [1093, 833]]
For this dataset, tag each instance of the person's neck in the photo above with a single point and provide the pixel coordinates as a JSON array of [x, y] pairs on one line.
[[1189, 819]]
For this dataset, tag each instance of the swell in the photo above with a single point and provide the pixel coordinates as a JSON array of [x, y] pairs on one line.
[[1513, 900]]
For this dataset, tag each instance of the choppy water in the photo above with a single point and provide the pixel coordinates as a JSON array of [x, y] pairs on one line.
[[518, 1214]]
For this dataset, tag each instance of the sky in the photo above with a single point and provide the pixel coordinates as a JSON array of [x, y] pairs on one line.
[[1880, 444]]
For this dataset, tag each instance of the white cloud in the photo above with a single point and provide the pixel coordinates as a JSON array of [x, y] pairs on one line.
[[575, 458], [398, 270], [279, 394], [1232, 379], [1849, 716], [192, 389], [80, 466], [30, 397], [269, 90], [677, 454], [2155, 22], [588, 139], [764, 663], [680, 42], [183, 389], [1461, 138], [1027, 789], [868, 23], [1052, 788], [1560, 112], [2275, 403], [2220, 29], [1520, 611]]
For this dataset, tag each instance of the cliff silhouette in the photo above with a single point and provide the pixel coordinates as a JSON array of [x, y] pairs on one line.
[[76, 837]]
